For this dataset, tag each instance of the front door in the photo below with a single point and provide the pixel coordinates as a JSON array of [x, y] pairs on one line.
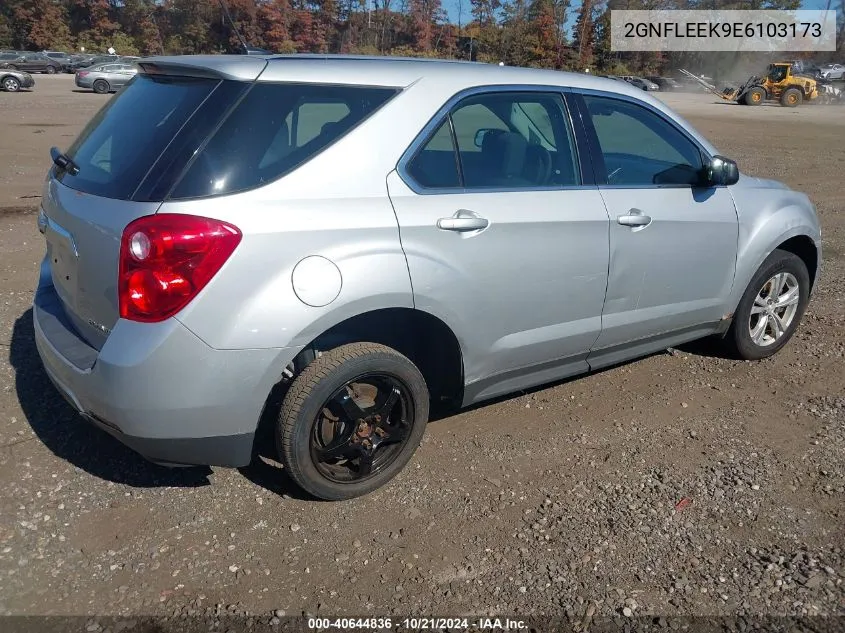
[[503, 241], [673, 242]]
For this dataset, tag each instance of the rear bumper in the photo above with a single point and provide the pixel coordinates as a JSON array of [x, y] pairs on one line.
[[158, 388]]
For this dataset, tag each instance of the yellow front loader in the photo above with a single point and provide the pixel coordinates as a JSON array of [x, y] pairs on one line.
[[779, 84]]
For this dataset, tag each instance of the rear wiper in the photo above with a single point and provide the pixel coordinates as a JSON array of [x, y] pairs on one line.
[[63, 161]]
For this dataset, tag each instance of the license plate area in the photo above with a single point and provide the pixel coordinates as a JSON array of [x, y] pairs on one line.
[[64, 262]]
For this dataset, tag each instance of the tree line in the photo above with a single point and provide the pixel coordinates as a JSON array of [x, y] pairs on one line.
[[516, 32]]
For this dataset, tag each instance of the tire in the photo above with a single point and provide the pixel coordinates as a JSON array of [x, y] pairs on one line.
[[739, 337], [50, 70], [755, 96], [11, 84], [791, 97], [320, 391], [101, 87]]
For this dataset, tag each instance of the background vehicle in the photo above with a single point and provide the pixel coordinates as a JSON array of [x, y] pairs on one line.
[[15, 80], [665, 83], [60, 57], [30, 62], [94, 60], [642, 84], [364, 290], [833, 71], [105, 78], [779, 84], [79, 61]]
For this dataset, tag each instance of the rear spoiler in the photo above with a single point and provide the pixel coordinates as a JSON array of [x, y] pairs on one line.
[[236, 67]]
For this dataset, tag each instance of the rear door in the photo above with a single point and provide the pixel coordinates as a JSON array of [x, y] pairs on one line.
[[505, 238], [673, 241]]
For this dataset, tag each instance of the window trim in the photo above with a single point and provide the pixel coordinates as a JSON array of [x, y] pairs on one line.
[[596, 155], [445, 111]]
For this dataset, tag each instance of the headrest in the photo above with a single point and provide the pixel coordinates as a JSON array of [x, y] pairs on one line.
[[505, 152]]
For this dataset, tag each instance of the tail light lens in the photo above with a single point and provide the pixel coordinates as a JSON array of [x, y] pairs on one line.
[[166, 259], [82, 73]]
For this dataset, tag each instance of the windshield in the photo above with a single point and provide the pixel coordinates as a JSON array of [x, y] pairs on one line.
[[778, 73]]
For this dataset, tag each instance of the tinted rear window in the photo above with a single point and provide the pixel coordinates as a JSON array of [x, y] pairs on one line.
[[273, 130], [126, 137], [162, 136]]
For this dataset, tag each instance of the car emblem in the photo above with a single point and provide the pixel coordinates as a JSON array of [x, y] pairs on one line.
[[99, 326]]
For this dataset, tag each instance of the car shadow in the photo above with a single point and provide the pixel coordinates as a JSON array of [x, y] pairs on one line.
[[70, 437]]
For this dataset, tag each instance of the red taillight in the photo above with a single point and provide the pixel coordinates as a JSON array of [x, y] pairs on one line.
[[82, 73], [166, 259]]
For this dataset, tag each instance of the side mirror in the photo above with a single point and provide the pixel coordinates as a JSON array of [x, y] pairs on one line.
[[721, 171]]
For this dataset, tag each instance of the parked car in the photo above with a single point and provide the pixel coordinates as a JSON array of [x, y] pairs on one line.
[[642, 83], [15, 80], [372, 237], [105, 78], [79, 61], [833, 71], [665, 83], [62, 58], [30, 62], [94, 60]]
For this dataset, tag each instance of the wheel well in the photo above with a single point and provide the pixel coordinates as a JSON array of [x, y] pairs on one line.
[[426, 340], [805, 248]]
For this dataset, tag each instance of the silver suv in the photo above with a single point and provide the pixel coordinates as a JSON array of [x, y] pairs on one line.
[[375, 237]]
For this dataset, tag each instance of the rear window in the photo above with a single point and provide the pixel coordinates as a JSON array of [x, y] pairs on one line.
[[276, 128], [124, 140], [162, 136]]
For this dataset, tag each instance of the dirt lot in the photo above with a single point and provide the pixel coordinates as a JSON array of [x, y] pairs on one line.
[[681, 484]]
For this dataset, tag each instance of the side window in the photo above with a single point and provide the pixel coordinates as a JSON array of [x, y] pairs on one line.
[[639, 147], [506, 140], [514, 140], [275, 129], [313, 118], [435, 166]]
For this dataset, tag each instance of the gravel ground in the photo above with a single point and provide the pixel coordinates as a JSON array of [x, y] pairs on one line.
[[679, 486]]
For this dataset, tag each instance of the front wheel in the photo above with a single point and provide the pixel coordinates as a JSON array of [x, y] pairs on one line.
[[352, 420], [51, 70], [771, 308], [10, 84], [755, 96]]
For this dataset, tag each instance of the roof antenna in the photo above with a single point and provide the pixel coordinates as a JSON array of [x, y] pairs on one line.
[[234, 28]]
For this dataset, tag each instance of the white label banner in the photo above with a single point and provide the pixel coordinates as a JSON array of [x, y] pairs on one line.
[[765, 30]]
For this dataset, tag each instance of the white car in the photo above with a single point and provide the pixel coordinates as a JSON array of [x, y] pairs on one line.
[[833, 71]]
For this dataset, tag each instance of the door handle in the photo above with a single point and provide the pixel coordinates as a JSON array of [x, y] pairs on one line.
[[463, 221], [635, 217]]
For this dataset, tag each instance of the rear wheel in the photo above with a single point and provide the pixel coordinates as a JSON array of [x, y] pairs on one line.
[[10, 84], [791, 97], [51, 70], [101, 87], [771, 308], [352, 420], [755, 96]]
